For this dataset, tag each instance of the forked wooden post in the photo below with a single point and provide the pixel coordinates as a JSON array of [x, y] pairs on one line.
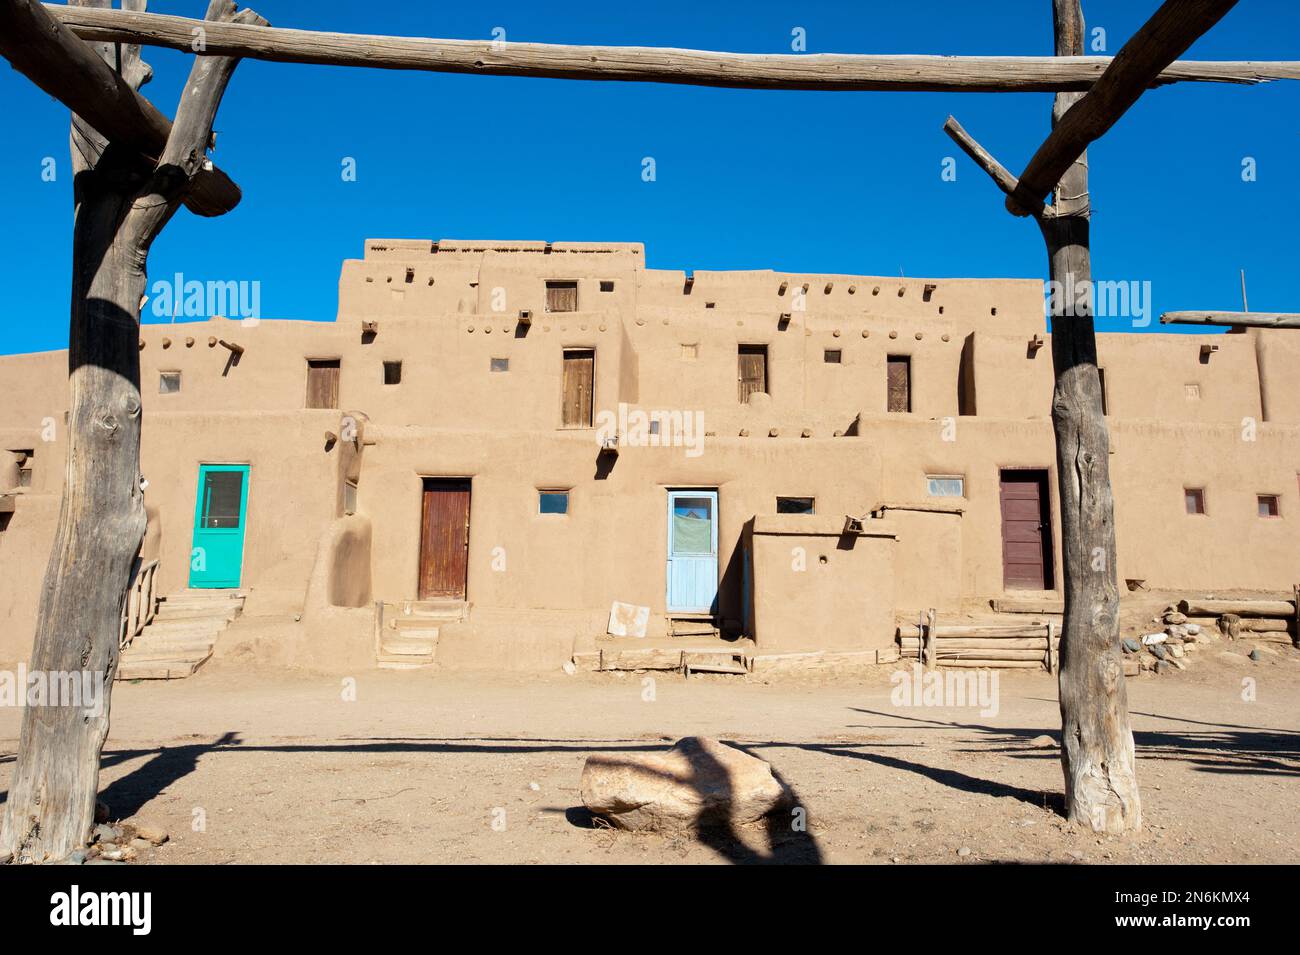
[[119, 212]]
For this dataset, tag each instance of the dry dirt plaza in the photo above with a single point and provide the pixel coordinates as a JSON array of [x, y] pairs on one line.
[[271, 766]]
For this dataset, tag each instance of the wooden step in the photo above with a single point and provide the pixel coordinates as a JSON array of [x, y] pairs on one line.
[[159, 668]]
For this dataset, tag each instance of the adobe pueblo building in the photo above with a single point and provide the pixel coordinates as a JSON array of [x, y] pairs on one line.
[[495, 442]]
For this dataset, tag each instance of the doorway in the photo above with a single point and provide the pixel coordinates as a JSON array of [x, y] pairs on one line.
[[220, 509], [444, 538], [1026, 530], [692, 551]]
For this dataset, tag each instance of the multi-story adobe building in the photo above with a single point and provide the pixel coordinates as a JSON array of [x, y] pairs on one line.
[[532, 431]]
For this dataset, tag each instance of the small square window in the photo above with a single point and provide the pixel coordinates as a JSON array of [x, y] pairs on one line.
[[169, 382], [1194, 498], [945, 485], [691, 352], [795, 505], [606, 286], [500, 364], [349, 497], [832, 356], [1269, 506], [654, 426], [1192, 391], [553, 502], [392, 372]]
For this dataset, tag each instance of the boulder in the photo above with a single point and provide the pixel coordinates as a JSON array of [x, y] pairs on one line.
[[1173, 616], [699, 783]]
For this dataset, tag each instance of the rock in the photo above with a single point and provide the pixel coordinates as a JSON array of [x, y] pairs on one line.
[[156, 835], [1193, 628], [1175, 632], [698, 783], [1146, 662], [139, 845], [112, 855], [571, 669], [77, 857], [1162, 666], [1236, 659], [534, 787], [1254, 655], [1044, 740], [1130, 645], [106, 833], [1176, 650], [1151, 639], [964, 851], [1157, 651], [1176, 663], [1173, 616]]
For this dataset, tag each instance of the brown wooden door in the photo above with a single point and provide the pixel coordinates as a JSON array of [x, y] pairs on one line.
[[561, 296], [1026, 531], [323, 383], [751, 370], [900, 383], [444, 539], [579, 383]]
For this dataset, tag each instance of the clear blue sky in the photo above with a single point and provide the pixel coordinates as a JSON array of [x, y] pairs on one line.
[[820, 182]]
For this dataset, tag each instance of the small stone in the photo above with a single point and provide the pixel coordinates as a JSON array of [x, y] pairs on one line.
[[112, 855], [1173, 616], [1175, 632], [534, 787], [1162, 666], [1131, 645], [1043, 740], [1075, 854], [898, 859], [1151, 639], [155, 834], [77, 857], [1158, 651], [140, 844], [1176, 649], [106, 833], [963, 852], [569, 668], [1256, 655], [1227, 656], [1193, 628]]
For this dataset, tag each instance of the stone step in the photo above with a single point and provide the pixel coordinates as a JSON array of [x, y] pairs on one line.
[[399, 646], [423, 624], [162, 668], [142, 647], [226, 611]]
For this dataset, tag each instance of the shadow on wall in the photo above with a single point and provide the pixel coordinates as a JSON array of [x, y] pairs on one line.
[[341, 575]]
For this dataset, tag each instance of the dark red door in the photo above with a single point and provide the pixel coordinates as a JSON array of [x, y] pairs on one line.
[[444, 539], [1026, 531]]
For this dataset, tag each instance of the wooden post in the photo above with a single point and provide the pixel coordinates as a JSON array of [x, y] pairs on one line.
[[1096, 741], [929, 651], [50, 807]]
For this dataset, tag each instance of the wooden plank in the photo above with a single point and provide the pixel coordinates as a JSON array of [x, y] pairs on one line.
[[72, 71], [1244, 606], [993, 664], [561, 296], [928, 656], [323, 383], [1158, 43], [824, 71], [1038, 605], [1240, 319], [641, 659]]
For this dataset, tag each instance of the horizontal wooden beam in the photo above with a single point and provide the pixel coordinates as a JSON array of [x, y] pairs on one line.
[[69, 69], [1244, 319], [1157, 44], [824, 71]]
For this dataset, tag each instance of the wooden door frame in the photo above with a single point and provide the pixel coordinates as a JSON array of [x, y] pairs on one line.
[[422, 479], [1050, 561], [564, 351]]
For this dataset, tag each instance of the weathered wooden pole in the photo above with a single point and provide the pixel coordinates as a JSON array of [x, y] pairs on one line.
[[119, 211], [1097, 755]]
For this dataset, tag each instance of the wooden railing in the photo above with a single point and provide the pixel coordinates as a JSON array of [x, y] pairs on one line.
[[140, 603]]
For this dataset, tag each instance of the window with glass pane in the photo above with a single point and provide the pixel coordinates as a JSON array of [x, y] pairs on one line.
[[553, 502], [945, 486], [693, 525], [222, 491], [795, 505]]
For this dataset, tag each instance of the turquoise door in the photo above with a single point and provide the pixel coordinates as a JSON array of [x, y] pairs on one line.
[[221, 505], [692, 551]]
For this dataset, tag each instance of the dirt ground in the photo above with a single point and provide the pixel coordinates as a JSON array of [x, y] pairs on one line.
[[243, 765]]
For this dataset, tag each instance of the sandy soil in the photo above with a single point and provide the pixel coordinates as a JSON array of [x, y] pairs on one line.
[[243, 765]]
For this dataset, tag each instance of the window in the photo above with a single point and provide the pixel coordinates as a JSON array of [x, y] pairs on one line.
[[795, 505], [392, 372], [945, 485], [561, 296], [966, 377], [169, 382], [1268, 506], [323, 383], [500, 364], [349, 497], [832, 356], [553, 502], [691, 352], [578, 384], [606, 285], [1192, 391], [899, 383], [1194, 499], [752, 371]]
